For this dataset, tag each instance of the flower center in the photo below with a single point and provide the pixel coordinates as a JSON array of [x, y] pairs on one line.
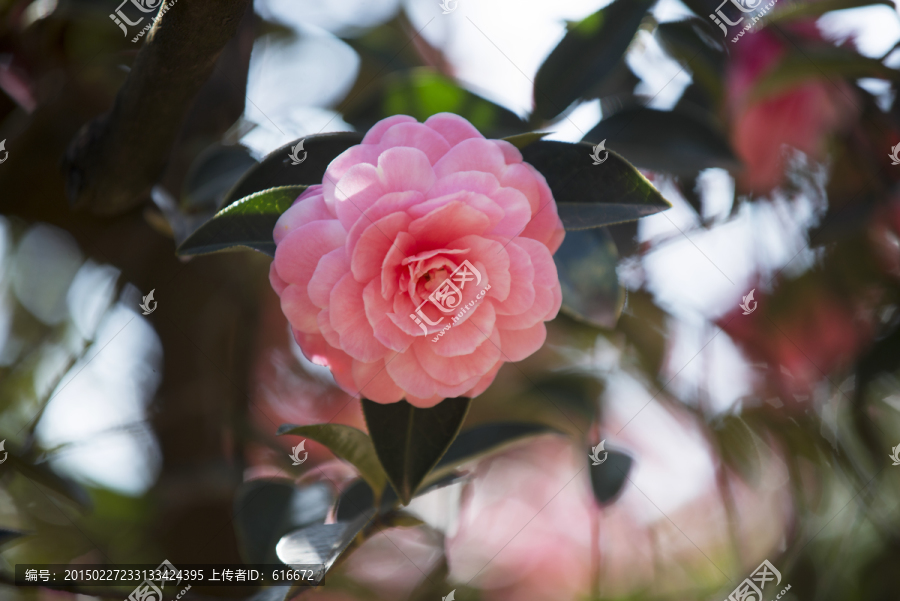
[[426, 271]]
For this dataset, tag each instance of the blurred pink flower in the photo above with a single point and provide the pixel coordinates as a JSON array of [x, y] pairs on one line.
[[529, 529], [358, 257], [804, 342], [282, 392], [801, 117], [524, 529], [394, 561]]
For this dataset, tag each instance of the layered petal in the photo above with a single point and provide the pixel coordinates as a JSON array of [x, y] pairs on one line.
[[348, 318], [309, 206], [421, 263], [452, 127], [463, 337], [453, 371], [374, 382]]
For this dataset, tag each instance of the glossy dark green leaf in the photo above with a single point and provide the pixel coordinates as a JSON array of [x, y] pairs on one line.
[[348, 443], [819, 62], [590, 50], [520, 141], [277, 169], [483, 440], [266, 510], [695, 44], [424, 92], [410, 441], [608, 479], [212, 174], [45, 476], [586, 264], [248, 222], [619, 84], [589, 195], [673, 142], [694, 98], [357, 499], [321, 544]]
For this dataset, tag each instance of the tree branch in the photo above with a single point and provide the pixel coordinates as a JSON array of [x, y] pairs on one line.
[[115, 159]]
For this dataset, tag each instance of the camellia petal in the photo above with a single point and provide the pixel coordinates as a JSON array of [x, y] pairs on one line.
[[422, 263]]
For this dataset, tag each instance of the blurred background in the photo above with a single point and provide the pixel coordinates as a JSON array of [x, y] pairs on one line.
[[131, 438]]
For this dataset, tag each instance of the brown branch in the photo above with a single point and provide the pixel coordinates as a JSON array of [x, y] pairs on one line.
[[114, 161]]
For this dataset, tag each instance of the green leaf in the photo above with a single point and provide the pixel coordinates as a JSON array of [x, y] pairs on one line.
[[695, 44], [483, 440], [349, 444], [826, 63], [44, 475], [696, 98], [266, 510], [520, 141], [423, 92], [618, 84], [277, 169], [249, 222], [608, 479], [589, 195], [679, 142], [645, 326], [586, 55], [410, 441], [737, 447], [357, 499], [586, 264]]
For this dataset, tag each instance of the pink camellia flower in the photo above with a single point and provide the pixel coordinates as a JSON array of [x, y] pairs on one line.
[[421, 263], [800, 117]]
